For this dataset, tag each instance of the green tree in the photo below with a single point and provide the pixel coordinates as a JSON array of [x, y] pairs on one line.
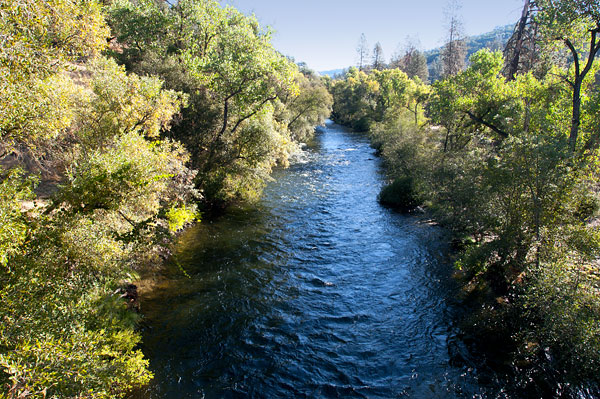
[[38, 39], [301, 113], [225, 62], [66, 331], [576, 25], [411, 61], [496, 167], [355, 100]]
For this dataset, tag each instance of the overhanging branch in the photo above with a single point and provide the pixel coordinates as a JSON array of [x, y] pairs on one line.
[[487, 124]]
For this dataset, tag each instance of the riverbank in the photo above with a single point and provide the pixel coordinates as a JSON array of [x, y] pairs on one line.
[[521, 201]]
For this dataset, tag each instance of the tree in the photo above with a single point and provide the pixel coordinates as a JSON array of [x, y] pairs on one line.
[[66, 331], [455, 50], [434, 69], [38, 39], [355, 100], [364, 100], [501, 164], [518, 44], [362, 49], [378, 57], [529, 203], [226, 63], [310, 108], [412, 61], [576, 25]]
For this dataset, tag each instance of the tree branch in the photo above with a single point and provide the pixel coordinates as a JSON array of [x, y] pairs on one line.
[[592, 54], [226, 107], [258, 108], [575, 56], [487, 124], [299, 115]]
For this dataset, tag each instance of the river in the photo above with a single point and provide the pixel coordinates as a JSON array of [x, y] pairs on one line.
[[315, 292]]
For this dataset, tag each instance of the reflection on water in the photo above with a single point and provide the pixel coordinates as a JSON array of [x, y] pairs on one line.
[[318, 292]]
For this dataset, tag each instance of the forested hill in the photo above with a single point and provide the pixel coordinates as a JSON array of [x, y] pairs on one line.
[[331, 72], [494, 40]]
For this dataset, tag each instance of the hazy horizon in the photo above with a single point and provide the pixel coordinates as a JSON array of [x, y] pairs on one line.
[[324, 34]]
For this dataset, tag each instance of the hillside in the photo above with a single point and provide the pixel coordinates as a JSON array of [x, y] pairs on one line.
[[332, 72], [495, 40]]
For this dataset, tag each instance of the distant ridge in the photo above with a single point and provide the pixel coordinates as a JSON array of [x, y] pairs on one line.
[[495, 40], [332, 72]]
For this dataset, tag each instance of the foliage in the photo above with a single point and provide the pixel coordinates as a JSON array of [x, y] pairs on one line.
[[301, 113], [413, 63], [178, 217], [66, 329], [13, 222], [120, 103], [399, 194], [362, 100], [211, 92], [494, 40], [239, 87], [455, 50], [496, 163], [38, 38], [576, 25]]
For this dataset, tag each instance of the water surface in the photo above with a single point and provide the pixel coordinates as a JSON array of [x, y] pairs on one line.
[[316, 292]]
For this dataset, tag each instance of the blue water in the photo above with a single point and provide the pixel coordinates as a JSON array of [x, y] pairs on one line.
[[315, 292]]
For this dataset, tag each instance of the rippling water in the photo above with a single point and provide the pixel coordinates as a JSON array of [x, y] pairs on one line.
[[317, 292]]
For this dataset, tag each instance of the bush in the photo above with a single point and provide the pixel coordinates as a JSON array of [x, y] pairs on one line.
[[400, 194]]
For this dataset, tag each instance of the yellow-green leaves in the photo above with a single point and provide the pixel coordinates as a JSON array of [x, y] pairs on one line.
[[300, 113], [38, 36], [37, 39], [119, 103], [362, 100], [227, 65], [39, 110], [130, 176], [178, 217], [13, 221], [65, 330]]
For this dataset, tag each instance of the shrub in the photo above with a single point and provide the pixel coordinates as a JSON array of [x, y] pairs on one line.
[[400, 194]]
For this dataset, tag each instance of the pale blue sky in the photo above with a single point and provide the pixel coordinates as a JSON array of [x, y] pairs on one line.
[[324, 33]]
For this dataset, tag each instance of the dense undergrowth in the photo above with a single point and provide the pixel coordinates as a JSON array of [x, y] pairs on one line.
[[117, 120], [511, 166]]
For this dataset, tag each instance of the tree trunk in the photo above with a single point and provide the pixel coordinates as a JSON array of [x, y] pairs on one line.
[[575, 120], [580, 75], [513, 66]]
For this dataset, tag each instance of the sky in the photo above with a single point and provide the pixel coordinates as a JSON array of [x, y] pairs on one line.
[[325, 33]]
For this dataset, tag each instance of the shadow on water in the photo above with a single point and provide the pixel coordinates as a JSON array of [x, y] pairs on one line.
[[317, 292]]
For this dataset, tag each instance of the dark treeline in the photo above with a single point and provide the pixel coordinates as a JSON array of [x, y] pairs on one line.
[[505, 154], [118, 119]]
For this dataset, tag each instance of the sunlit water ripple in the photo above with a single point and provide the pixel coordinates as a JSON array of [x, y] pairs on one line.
[[317, 292]]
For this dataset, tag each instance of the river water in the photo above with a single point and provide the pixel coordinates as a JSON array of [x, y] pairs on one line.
[[316, 292]]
